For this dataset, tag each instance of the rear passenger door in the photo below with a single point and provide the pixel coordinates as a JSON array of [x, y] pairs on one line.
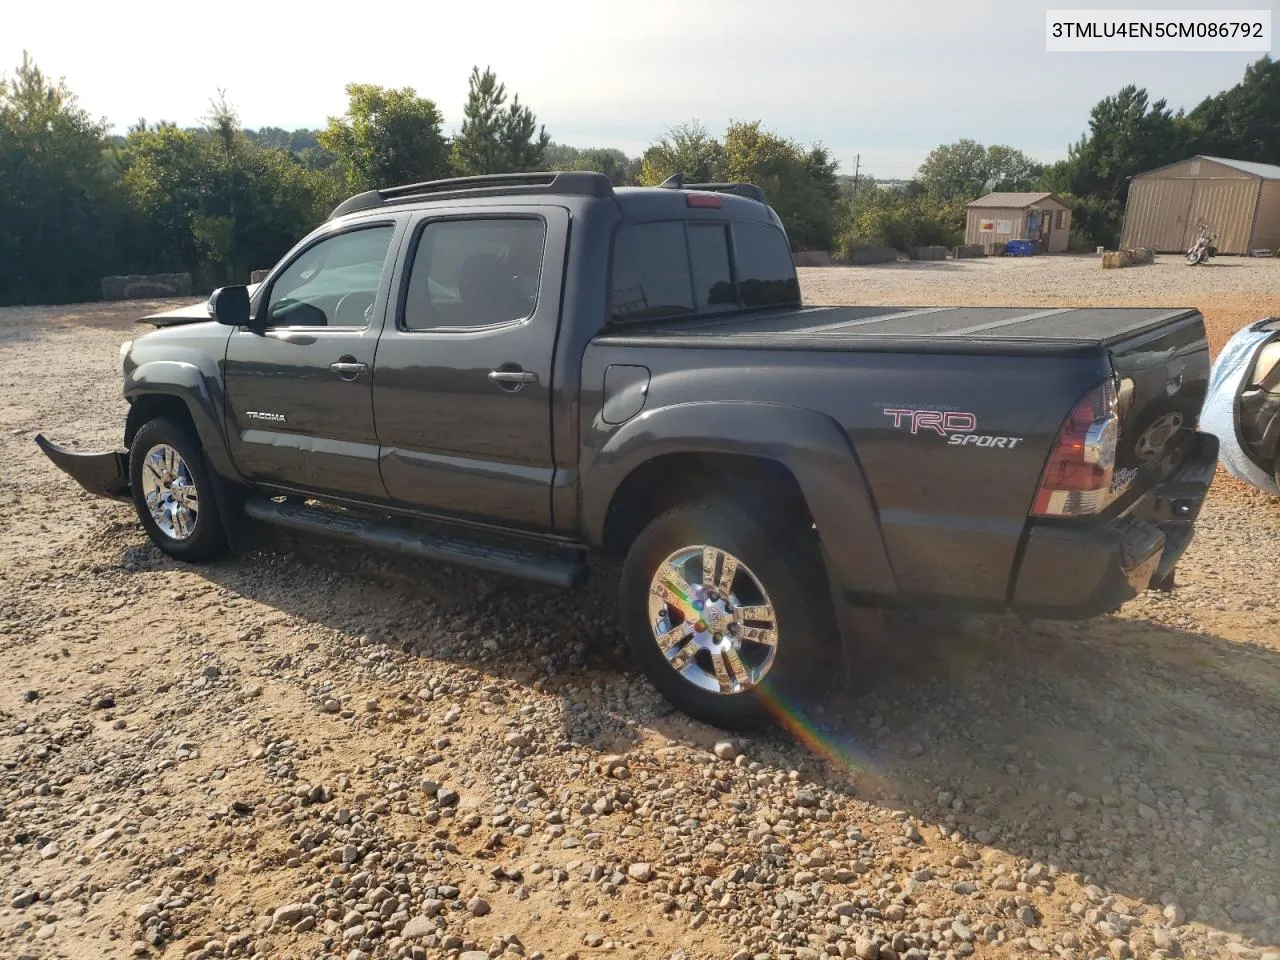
[[463, 378]]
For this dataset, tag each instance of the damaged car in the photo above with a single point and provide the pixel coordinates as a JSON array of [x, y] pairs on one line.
[[1242, 405]]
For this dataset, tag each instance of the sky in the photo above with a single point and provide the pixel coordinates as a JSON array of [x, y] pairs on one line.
[[886, 81]]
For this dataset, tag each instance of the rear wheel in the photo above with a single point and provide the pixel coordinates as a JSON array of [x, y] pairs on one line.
[[173, 491], [725, 613]]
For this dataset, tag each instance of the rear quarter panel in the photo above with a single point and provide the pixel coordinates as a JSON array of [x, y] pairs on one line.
[[950, 498]]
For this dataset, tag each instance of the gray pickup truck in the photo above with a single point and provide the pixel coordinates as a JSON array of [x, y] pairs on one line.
[[512, 372]]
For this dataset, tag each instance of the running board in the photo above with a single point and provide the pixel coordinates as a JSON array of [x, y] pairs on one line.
[[555, 569]]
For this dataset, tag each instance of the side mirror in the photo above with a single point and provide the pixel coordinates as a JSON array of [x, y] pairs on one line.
[[230, 306]]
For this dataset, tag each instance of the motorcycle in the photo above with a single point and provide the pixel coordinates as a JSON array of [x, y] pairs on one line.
[[1203, 248]]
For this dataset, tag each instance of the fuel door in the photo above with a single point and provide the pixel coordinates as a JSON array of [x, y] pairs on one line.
[[626, 388]]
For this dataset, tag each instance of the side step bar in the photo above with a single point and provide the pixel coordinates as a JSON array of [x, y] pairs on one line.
[[555, 569]]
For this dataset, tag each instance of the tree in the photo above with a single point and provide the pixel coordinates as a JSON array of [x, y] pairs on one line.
[[387, 137], [688, 149], [55, 192], [800, 185], [966, 170], [497, 137], [1243, 122]]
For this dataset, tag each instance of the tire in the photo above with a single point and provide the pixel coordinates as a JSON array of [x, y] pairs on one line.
[[781, 563], [191, 527]]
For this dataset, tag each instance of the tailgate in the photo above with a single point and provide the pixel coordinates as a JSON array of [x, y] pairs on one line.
[[1163, 374]]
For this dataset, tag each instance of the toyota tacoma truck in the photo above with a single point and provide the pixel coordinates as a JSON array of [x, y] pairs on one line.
[[514, 372]]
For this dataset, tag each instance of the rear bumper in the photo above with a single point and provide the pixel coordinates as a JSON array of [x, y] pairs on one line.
[[102, 474], [1072, 570]]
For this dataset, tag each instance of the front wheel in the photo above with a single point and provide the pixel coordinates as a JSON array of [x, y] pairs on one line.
[[1196, 256], [725, 613], [173, 491]]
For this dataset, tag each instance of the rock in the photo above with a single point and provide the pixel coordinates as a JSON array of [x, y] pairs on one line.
[[473, 955], [1175, 914], [479, 907], [640, 872], [291, 913], [105, 703], [965, 887], [962, 931], [1075, 800], [447, 798], [726, 750], [593, 940], [144, 912], [49, 851], [31, 696], [866, 949], [418, 927], [140, 948], [1119, 949], [23, 899], [1028, 917], [517, 741]]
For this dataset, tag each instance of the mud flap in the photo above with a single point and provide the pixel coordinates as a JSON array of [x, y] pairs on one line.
[[101, 474]]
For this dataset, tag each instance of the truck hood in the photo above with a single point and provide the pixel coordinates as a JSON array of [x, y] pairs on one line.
[[197, 312]]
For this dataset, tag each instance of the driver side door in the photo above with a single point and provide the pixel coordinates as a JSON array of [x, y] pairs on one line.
[[299, 383]]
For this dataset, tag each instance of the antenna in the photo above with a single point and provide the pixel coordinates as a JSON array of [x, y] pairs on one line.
[[673, 182]]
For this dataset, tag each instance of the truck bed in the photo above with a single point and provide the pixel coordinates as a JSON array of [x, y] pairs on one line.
[[1067, 331]]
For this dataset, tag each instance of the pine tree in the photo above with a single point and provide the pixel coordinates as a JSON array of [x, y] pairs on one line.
[[497, 137]]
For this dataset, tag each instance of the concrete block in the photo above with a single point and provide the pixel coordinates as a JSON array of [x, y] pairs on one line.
[[968, 251], [928, 253], [811, 258], [870, 255], [145, 286]]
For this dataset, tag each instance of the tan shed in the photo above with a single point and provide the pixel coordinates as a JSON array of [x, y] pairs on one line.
[[1000, 217], [1239, 200]]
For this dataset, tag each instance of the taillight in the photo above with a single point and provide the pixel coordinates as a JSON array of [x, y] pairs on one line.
[[1077, 477]]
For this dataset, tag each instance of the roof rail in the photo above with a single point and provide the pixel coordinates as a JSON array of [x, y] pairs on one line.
[[577, 182], [748, 190]]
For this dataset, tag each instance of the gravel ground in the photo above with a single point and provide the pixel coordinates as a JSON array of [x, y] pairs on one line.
[[312, 752]]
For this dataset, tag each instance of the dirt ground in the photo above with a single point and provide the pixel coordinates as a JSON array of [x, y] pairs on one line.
[[306, 751]]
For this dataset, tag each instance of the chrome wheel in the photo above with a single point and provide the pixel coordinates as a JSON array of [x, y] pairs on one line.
[[169, 489], [712, 620], [1153, 440]]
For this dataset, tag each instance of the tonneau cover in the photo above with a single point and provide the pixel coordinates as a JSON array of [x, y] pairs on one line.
[[1054, 329]]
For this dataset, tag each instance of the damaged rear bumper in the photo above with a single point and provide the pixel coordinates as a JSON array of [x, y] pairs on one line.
[[102, 474]]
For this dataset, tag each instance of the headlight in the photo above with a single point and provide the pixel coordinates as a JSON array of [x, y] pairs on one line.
[[124, 348], [1268, 360]]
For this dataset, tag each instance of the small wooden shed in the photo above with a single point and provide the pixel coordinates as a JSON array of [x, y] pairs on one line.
[[1001, 217], [1238, 199]]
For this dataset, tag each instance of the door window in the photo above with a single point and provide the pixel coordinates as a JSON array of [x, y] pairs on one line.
[[333, 283], [474, 273]]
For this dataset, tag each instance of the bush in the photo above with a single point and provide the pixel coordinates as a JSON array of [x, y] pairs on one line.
[[888, 218]]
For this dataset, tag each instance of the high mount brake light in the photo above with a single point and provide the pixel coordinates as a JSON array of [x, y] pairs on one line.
[[704, 200], [1077, 477]]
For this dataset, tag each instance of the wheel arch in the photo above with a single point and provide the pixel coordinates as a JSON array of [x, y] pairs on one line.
[[181, 389], [804, 459]]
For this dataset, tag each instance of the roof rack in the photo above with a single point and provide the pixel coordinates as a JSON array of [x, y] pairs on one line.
[[748, 190], [576, 182]]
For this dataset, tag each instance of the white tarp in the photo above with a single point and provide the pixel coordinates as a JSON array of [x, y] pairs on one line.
[[1218, 415]]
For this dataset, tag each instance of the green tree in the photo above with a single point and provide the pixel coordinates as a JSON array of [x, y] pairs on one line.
[[55, 191], [387, 137], [688, 149], [800, 185], [966, 169], [1242, 123], [496, 136]]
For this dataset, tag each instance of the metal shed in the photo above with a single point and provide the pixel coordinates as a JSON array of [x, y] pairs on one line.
[[1000, 217], [1238, 199]]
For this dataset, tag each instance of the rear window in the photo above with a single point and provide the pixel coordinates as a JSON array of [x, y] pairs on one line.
[[766, 276], [680, 268]]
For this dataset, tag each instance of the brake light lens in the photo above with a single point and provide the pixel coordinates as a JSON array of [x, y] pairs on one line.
[[711, 200], [1077, 477]]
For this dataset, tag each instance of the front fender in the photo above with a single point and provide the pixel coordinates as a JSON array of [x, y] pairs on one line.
[[199, 389], [812, 446]]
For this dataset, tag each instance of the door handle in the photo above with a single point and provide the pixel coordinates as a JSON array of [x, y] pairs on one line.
[[516, 378], [348, 368]]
